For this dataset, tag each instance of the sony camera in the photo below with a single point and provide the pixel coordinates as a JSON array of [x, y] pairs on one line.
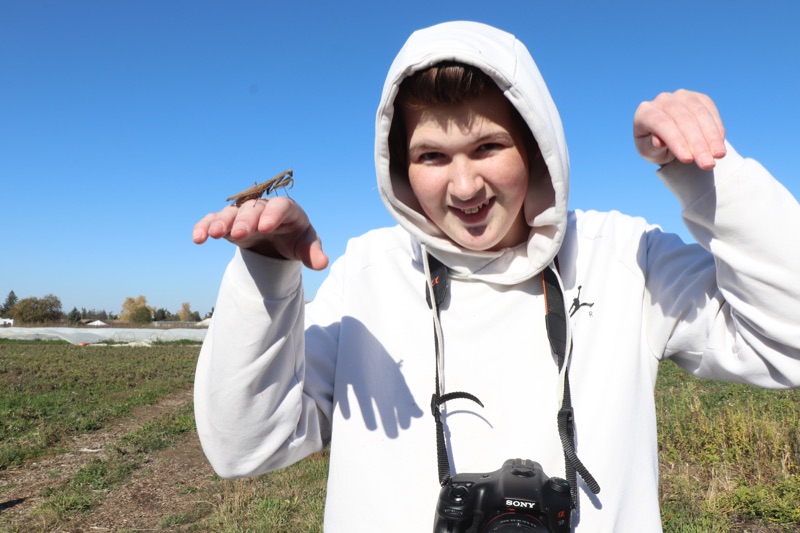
[[518, 498]]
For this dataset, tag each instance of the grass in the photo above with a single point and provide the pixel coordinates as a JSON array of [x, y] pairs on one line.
[[730, 454], [292, 499], [49, 390], [86, 487]]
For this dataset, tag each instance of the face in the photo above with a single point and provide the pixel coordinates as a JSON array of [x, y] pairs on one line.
[[468, 168]]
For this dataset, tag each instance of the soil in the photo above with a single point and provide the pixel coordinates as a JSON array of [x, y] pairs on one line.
[[168, 493]]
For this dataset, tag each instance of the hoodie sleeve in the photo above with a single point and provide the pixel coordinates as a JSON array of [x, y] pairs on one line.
[[258, 407], [729, 310]]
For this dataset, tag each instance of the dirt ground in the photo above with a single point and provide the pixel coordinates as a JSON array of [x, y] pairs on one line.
[[166, 493]]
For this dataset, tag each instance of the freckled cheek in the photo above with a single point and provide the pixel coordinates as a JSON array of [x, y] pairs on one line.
[[429, 191]]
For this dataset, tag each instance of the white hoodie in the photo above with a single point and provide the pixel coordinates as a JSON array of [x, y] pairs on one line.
[[278, 380]]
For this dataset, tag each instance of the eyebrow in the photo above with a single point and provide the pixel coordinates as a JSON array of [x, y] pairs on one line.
[[426, 145], [423, 147]]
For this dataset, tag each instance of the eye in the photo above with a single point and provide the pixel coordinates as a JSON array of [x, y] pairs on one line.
[[487, 148], [429, 157]]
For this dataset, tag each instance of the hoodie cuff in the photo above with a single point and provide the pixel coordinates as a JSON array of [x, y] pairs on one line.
[[689, 183], [271, 278]]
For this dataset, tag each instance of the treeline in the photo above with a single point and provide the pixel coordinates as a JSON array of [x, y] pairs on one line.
[[48, 310], [137, 311]]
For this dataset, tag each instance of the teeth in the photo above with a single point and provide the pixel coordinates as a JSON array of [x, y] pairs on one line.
[[473, 210]]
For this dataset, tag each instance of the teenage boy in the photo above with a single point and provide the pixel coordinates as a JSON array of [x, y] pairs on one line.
[[472, 163]]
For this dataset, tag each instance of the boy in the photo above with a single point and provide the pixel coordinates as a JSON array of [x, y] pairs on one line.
[[472, 163]]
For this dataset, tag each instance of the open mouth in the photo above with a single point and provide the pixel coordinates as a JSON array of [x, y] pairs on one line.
[[473, 210], [475, 214]]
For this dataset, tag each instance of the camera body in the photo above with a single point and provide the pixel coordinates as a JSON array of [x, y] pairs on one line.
[[518, 497]]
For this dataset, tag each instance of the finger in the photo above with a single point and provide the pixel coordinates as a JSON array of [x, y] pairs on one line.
[[698, 121], [650, 128], [246, 220], [710, 122], [213, 225], [200, 230], [317, 259], [281, 214], [309, 250], [680, 123], [692, 127]]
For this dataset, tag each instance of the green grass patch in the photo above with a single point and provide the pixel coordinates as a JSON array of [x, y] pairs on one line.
[[292, 499], [86, 487], [51, 390], [4, 340], [729, 453], [179, 342]]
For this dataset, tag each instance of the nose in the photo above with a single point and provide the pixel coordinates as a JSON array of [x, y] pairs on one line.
[[466, 179]]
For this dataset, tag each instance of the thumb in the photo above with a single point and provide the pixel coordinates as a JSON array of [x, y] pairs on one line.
[[309, 251], [316, 258]]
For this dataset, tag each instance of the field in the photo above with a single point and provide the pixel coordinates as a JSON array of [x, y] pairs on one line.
[[101, 438]]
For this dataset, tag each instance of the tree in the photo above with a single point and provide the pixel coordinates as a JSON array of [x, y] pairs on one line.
[[141, 315], [132, 306], [74, 316], [11, 301], [185, 314], [94, 314], [37, 310]]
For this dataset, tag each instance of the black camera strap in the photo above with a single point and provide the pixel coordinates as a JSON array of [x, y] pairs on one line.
[[436, 274], [557, 331]]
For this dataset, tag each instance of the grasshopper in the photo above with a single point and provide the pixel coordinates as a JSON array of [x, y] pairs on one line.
[[280, 181]]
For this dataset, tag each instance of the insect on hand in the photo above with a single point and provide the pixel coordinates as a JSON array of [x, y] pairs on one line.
[[283, 180]]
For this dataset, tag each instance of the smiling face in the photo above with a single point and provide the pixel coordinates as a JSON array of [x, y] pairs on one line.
[[469, 170]]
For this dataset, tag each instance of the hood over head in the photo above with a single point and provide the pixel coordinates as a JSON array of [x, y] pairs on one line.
[[506, 60]]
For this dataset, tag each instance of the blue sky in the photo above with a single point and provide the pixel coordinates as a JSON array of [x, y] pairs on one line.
[[124, 122]]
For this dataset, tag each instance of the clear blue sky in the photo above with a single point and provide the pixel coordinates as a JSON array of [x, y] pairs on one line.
[[123, 122]]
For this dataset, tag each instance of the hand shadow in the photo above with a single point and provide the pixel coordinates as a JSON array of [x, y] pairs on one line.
[[377, 379]]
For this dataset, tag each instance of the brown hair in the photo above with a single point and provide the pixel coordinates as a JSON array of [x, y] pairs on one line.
[[446, 83]]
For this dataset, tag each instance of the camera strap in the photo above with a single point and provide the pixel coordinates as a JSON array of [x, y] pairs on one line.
[[437, 284], [561, 344], [558, 333]]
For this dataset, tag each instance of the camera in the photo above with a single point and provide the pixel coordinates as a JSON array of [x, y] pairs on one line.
[[518, 498]]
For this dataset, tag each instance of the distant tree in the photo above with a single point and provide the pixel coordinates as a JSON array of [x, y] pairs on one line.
[[74, 316], [133, 305], [194, 316], [141, 315], [11, 301], [185, 314], [37, 310], [94, 314], [210, 313]]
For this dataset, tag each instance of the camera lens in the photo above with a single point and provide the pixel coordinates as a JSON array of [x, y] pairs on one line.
[[515, 523]]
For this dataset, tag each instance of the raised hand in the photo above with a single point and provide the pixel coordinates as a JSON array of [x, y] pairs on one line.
[[683, 125], [275, 227]]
